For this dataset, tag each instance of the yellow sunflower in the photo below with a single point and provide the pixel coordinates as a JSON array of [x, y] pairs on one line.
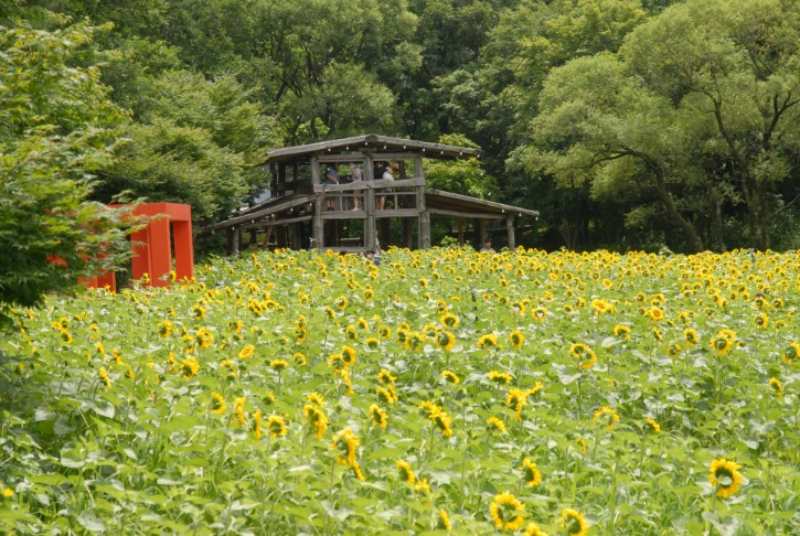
[[496, 424], [379, 416], [218, 404], [517, 339], [573, 522], [444, 522], [691, 336], [533, 476], [487, 341], [247, 351], [445, 340], [777, 387], [406, 472], [608, 413], [724, 475], [532, 529], [507, 512], [451, 377], [316, 417], [277, 426]]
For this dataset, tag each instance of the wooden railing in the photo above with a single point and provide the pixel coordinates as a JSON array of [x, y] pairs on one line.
[[390, 195]]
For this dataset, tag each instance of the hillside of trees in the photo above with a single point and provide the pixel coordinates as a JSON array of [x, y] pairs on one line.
[[626, 123]]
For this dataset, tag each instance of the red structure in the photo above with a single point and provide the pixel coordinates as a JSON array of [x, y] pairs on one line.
[[152, 247], [152, 253]]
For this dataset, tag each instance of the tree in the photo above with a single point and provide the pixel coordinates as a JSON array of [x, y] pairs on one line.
[[735, 64], [464, 176], [56, 123], [698, 108]]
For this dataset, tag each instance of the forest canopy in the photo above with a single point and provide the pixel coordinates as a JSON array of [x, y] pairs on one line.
[[626, 123]]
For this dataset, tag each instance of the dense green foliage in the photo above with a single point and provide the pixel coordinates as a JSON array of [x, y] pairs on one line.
[[55, 128], [199, 409], [627, 123]]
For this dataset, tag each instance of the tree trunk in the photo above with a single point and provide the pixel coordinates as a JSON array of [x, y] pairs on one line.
[[692, 236]]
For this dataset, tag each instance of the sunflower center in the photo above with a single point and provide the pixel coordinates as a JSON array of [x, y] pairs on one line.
[[724, 477]]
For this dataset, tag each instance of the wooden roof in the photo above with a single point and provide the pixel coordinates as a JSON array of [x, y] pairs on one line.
[[376, 144], [446, 202], [437, 201]]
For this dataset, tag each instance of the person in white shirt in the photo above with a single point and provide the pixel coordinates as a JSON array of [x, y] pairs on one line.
[[388, 175]]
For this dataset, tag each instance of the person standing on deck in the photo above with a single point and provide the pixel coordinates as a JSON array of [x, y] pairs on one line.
[[388, 175]]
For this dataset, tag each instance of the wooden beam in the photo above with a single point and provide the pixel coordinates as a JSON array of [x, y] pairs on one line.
[[234, 237], [252, 216], [423, 215], [459, 214], [316, 175], [264, 224], [397, 213], [370, 229], [318, 226], [344, 215], [369, 184], [503, 208], [512, 241], [356, 156]]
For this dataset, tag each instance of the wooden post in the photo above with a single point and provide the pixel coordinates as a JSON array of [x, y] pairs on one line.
[[512, 242], [460, 224], [317, 231], [235, 237], [482, 232], [407, 233], [423, 216], [370, 230]]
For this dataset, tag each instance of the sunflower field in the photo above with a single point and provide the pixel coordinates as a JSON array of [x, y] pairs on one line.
[[442, 391]]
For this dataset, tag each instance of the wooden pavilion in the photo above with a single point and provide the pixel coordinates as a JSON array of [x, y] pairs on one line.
[[332, 195]]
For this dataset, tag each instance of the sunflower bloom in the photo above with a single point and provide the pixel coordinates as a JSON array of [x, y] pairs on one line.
[[406, 472], [622, 331], [190, 367], [278, 364], [103, 375], [446, 341], [444, 521], [722, 343], [496, 424], [517, 339], [451, 377], [724, 475], [584, 354], [507, 512], [653, 424], [499, 377], [777, 387], [792, 353], [573, 522], [516, 400], [257, 424], [346, 443], [378, 416], [238, 410], [487, 341], [316, 417], [608, 413], [533, 477], [276, 425], [247, 351], [218, 406]]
